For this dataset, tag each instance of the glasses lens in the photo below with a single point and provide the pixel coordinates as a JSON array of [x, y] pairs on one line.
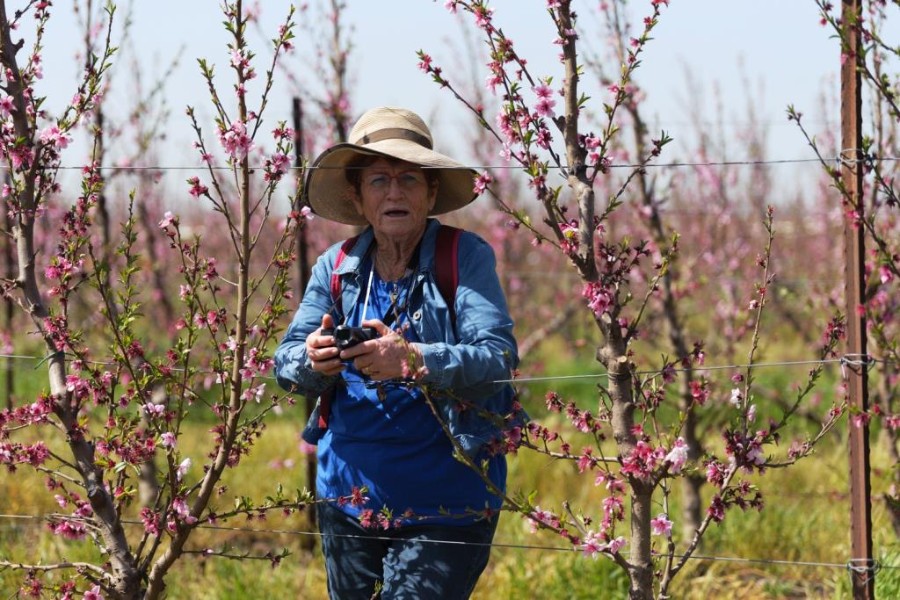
[[406, 181]]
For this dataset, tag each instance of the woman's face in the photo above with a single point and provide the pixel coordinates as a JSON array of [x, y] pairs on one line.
[[395, 197]]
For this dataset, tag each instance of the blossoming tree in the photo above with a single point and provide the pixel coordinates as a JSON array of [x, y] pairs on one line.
[[631, 449], [875, 213], [102, 418]]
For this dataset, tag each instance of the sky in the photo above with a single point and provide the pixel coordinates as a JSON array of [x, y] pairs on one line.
[[710, 62]]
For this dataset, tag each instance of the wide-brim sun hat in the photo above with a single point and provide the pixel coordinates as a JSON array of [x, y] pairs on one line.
[[392, 133]]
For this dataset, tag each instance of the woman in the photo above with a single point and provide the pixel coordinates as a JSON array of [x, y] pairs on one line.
[[389, 394]]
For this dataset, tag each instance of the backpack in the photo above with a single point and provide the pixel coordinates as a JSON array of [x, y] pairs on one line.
[[446, 275]]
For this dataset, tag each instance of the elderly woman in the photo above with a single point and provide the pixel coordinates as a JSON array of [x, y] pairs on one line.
[[398, 363]]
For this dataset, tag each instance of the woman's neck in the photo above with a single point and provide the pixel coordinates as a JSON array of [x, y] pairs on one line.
[[392, 257]]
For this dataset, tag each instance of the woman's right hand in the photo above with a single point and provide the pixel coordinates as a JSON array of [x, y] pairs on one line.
[[323, 354]]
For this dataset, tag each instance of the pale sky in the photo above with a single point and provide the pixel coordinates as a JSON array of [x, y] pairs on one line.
[[705, 52]]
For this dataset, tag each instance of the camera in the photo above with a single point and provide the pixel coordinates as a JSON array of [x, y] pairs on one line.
[[347, 337]]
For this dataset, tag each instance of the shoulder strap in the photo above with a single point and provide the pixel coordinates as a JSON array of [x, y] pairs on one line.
[[345, 249], [446, 265], [326, 398], [446, 274]]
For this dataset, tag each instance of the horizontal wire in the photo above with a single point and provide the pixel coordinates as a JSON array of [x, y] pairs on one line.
[[846, 359], [503, 545], [674, 164]]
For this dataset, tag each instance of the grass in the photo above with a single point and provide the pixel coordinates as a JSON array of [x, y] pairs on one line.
[[806, 520]]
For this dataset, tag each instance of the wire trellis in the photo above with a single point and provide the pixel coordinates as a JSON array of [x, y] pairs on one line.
[[848, 565], [843, 361]]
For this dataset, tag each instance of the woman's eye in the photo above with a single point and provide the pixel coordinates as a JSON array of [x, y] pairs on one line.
[[409, 180], [378, 181]]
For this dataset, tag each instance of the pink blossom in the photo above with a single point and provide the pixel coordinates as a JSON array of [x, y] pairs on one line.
[[182, 511], [277, 166], [52, 136], [238, 59], [71, 530], [538, 516], [282, 132], [425, 62], [642, 461], [168, 219], [182, 469], [482, 182], [593, 544], [197, 188], [715, 472], [93, 593], [21, 156], [661, 525], [545, 103], [254, 393], [151, 521], [677, 456], [168, 439], [699, 392], [154, 410], [235, 140], [287, 44], [599, 297], [6, 106], [615, 545]]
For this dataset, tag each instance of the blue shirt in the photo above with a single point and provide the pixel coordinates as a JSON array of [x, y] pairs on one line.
[[471, 359], [386, 438]]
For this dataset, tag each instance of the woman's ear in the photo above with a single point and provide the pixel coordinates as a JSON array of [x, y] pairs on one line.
[[357, 201], [432, 194]]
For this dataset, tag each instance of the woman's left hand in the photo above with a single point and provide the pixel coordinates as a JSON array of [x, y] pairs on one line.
[[388, 356]]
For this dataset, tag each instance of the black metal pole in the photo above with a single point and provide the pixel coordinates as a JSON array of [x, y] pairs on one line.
[[303, 267]]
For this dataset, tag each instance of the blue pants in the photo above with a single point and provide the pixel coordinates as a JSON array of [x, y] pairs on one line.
[[408, 562]]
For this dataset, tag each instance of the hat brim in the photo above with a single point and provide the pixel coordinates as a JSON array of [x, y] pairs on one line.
[[330, 195]]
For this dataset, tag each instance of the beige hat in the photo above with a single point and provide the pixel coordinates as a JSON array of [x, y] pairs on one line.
[[391, 132]]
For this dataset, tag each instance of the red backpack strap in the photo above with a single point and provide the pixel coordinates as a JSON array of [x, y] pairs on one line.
[[446, 265], [326, 397], [345, 249]]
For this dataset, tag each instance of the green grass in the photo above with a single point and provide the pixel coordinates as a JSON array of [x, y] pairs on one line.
[[806, 519]]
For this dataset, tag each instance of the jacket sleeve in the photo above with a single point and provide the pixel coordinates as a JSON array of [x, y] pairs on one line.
[[292, 369], [485, 352]]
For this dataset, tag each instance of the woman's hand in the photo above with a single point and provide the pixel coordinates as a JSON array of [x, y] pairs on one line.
[[323, 354], [389, 356]]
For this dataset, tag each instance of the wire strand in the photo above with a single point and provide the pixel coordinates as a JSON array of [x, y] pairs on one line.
[[674, 164], [842, 360], [508, 545]]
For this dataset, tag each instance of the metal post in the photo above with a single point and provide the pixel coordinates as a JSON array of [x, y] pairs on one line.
[[302, 279], [862, 570], [9, 308]]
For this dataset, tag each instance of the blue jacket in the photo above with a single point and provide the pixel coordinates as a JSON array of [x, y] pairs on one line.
[[469, 362]]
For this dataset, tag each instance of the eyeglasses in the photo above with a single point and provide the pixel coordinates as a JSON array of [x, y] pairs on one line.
[[406, 181]]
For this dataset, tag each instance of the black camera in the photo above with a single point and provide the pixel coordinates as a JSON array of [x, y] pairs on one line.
[[347, 337]]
